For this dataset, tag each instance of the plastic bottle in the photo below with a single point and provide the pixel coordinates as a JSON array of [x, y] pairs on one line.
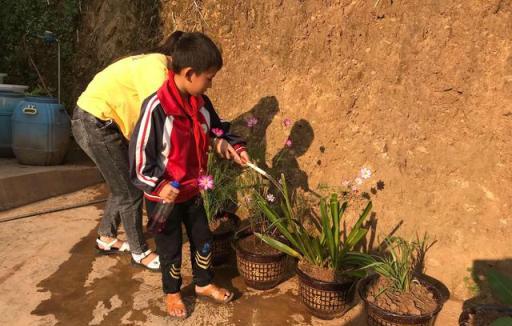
[[161, 214]]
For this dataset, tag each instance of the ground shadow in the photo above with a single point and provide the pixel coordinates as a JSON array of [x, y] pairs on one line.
[[252, 126], [285, 161]]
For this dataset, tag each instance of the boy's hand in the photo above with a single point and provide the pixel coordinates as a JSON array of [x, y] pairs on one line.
[[228, 152], [168, 193]]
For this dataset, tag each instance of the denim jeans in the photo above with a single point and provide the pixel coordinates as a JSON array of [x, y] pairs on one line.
[[106, 146]]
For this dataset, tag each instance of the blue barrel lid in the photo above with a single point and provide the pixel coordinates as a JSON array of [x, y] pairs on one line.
[[10, 94], [41, 99]]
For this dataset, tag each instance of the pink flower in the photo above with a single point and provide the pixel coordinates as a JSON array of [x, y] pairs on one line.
[[287, 122], [271, 198], [217, 132], [288, 143], [205, 182], [365, 173], [251, 121]]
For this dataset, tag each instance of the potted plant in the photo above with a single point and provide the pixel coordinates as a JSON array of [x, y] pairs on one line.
[[398, 294], [328, 266], [218, 191], [261, 266], [491, 314]]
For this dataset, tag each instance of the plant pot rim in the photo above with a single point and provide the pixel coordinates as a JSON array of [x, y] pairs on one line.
[[437, 297], [476, 308], [233, 217], [324, 284], [246, 253]]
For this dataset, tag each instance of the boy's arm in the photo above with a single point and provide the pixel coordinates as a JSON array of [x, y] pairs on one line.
[[216, 123], [146, 144]]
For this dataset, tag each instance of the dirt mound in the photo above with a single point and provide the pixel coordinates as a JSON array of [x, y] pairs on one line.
[[417, 91]]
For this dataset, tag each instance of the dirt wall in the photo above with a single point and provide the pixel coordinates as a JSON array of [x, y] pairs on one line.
[[418, 91]]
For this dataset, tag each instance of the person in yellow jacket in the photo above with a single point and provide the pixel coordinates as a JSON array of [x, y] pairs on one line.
[[102, 123]]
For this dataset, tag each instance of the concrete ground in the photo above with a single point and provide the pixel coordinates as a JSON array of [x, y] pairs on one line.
[[50, 275], [24, 184]]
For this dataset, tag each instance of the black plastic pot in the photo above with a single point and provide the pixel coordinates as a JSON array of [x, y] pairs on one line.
[[325, 300], [380, 317], [260, 272], [465, 316], [222, 249]]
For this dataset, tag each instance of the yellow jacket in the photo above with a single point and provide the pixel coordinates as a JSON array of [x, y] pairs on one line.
[[117, 92]]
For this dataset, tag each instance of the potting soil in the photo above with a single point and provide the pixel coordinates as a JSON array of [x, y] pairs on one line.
[[417, 301]]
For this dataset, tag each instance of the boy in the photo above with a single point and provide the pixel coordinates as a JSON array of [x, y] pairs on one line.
[[170, 143]]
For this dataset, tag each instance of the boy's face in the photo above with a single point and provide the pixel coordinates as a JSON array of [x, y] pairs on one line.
[[199, 83]]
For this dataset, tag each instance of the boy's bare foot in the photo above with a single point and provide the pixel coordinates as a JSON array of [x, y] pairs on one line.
[[215, 293], [175, 306]]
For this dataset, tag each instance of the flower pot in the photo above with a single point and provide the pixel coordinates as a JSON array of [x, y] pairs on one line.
[[222, 239], [259, 271], [381, 317], [325, 300], [483, 314]]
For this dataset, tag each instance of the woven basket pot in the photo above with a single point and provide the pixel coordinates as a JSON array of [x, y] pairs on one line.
[[380, 317], [325, 300], [261, 272]]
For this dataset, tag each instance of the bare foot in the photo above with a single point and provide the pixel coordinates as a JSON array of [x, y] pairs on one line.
[[175, 305]]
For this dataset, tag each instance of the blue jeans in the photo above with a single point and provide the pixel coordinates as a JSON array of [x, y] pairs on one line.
[[106, 146]]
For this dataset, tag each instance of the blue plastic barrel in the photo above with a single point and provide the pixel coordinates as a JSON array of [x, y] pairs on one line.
[[41, 131], [8, 102]]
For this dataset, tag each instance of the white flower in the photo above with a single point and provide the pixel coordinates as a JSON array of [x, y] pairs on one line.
[[271, 198], [345, 183], [358, 181], [366, 173]]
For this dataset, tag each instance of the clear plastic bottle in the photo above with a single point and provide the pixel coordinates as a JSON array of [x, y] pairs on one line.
[[161, 214]]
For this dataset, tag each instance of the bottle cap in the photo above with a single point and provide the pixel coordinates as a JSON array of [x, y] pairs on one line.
[[175, 184]]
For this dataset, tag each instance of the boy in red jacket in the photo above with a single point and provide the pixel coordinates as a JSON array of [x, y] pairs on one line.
[[170, 143]]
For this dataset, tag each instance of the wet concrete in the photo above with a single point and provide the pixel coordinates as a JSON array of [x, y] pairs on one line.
[[58, 279]]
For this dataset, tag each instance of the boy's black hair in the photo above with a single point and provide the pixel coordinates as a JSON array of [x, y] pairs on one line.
[[195, 50]]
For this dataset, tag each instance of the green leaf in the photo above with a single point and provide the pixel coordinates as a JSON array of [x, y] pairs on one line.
[[503, 321], [278, 245], [501, 286], [352, 239]]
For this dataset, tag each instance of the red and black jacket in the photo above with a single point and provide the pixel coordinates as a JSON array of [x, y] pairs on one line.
[[170, 142]]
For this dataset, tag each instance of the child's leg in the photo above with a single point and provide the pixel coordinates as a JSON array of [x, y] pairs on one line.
[[168, 246], [201, 241]]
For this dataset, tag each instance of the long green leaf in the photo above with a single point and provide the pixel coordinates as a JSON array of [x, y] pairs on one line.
[[503, 321], [501, 286], [335, 207], [327, 228], [354, 233], [278, 245]]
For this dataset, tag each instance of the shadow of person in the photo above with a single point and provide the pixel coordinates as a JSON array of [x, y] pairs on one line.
[[252, 126], [285, 161]]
